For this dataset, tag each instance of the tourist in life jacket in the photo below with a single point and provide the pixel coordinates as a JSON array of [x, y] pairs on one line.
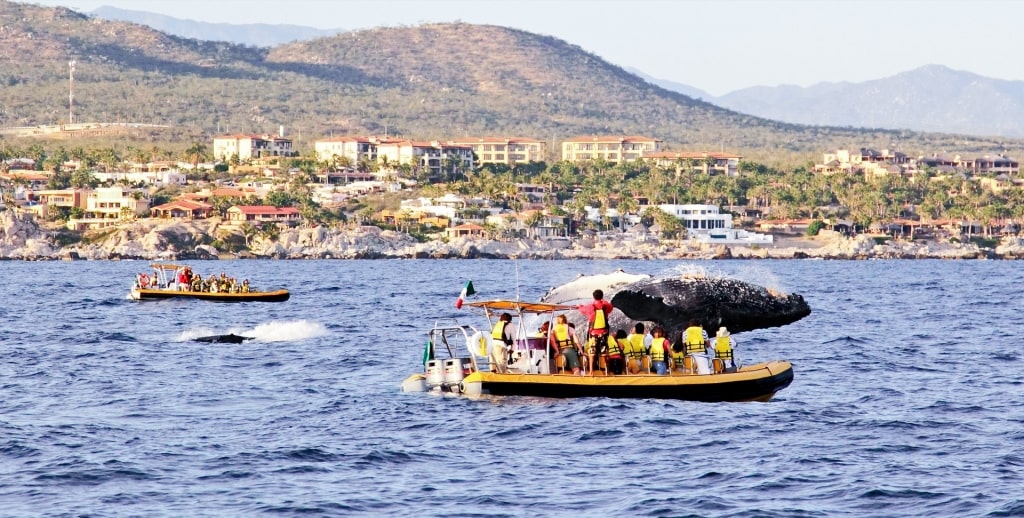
[[503, 332], [695, 345], [638, 343], [725, 344], [617, 352], [660, 351], [562, 340], [597, 313]]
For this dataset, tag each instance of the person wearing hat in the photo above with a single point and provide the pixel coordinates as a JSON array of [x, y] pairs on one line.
[[724, 346]]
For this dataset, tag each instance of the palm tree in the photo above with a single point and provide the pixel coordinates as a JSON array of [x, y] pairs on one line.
[[533, 221], [627, 205], [196, 153], [249, 232]]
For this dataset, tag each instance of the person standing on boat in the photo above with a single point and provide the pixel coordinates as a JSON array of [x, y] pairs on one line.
[[562, 340], [597, 313], [504, 332], [661, 350], [724, 346]]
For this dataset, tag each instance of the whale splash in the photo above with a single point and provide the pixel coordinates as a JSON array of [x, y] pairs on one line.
[[672, 301]]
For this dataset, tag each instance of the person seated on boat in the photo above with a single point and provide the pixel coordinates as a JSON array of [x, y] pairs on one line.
[[616, 352], [197, 283], [638, 344], [563, 340], [245, 286], [725, 344], [695, 342], [661, 351]]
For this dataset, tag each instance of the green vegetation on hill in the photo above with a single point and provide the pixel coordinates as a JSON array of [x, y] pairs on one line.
[[434, 81]]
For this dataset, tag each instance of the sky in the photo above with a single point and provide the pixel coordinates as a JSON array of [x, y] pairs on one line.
[[718, 46]]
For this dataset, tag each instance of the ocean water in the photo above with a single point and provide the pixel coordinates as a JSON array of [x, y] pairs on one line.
[[907, 400]]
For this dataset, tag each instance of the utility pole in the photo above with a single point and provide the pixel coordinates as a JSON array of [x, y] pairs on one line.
[[71, 92]]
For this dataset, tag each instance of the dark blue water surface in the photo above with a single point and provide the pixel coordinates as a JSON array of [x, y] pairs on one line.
[[907, 400]]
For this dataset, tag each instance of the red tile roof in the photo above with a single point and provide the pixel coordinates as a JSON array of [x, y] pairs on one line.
[[612, 138], [265, 209]]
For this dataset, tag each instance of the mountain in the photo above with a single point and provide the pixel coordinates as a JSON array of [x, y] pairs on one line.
[[929, 98], [434, 81], [673, 86], [259, 34]]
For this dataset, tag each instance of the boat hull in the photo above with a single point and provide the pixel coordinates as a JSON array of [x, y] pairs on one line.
[[753, 383], [257, 296]]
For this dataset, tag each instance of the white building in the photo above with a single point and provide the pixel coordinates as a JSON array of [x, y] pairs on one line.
[[148, 177], [247, 146], [433, 156], [707, 224]]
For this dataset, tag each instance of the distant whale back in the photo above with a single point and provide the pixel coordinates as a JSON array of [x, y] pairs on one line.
[[223, 339]]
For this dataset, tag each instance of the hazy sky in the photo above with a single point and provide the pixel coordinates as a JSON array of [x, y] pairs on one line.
[[715, 45]]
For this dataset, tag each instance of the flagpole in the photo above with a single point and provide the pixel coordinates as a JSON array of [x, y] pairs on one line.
[[516, 264]]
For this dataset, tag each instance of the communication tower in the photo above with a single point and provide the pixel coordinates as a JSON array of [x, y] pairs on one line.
[[71, 92]]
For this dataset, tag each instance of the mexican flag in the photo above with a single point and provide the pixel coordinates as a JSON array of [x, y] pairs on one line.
[[467, 290]]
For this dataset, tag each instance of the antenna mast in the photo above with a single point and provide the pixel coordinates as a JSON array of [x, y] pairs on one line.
[[71, 92]]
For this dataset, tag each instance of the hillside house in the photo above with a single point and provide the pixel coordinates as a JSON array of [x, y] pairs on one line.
[[611, 149], [698, 161], [250, 146], [182, 209], [259, 214], [505, 151]]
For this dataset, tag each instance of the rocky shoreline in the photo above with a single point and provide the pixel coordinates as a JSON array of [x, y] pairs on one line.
[[21, 238]]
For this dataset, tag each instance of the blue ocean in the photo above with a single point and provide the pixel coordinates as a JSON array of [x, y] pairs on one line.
[[906, 401]]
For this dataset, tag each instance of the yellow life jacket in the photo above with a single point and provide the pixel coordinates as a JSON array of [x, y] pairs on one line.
[[723, 348], [659, 349], [694, 338], [599, 319], [498, 333], [562, 336], [678, 358], [636, 347], [615, 347]]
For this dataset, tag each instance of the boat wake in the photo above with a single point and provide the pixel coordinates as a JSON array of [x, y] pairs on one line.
[[274, 331]]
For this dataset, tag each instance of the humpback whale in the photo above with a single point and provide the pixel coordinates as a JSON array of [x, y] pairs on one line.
[[672, 301], [223, 339]]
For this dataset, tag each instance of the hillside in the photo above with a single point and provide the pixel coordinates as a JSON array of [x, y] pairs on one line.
[[431, 81]]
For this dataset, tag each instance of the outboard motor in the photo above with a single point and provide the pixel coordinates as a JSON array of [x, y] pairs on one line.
[[435, 374], [455, 370]]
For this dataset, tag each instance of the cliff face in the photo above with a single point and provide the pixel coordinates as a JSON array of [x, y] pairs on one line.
[[22, 238]]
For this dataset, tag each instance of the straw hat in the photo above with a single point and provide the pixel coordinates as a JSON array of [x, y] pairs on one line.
[[722, 332]]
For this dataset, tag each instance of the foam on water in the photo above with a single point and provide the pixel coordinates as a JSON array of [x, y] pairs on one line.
[[287, 331]]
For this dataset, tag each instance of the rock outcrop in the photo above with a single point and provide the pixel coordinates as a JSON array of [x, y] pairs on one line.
[[22, 238]]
